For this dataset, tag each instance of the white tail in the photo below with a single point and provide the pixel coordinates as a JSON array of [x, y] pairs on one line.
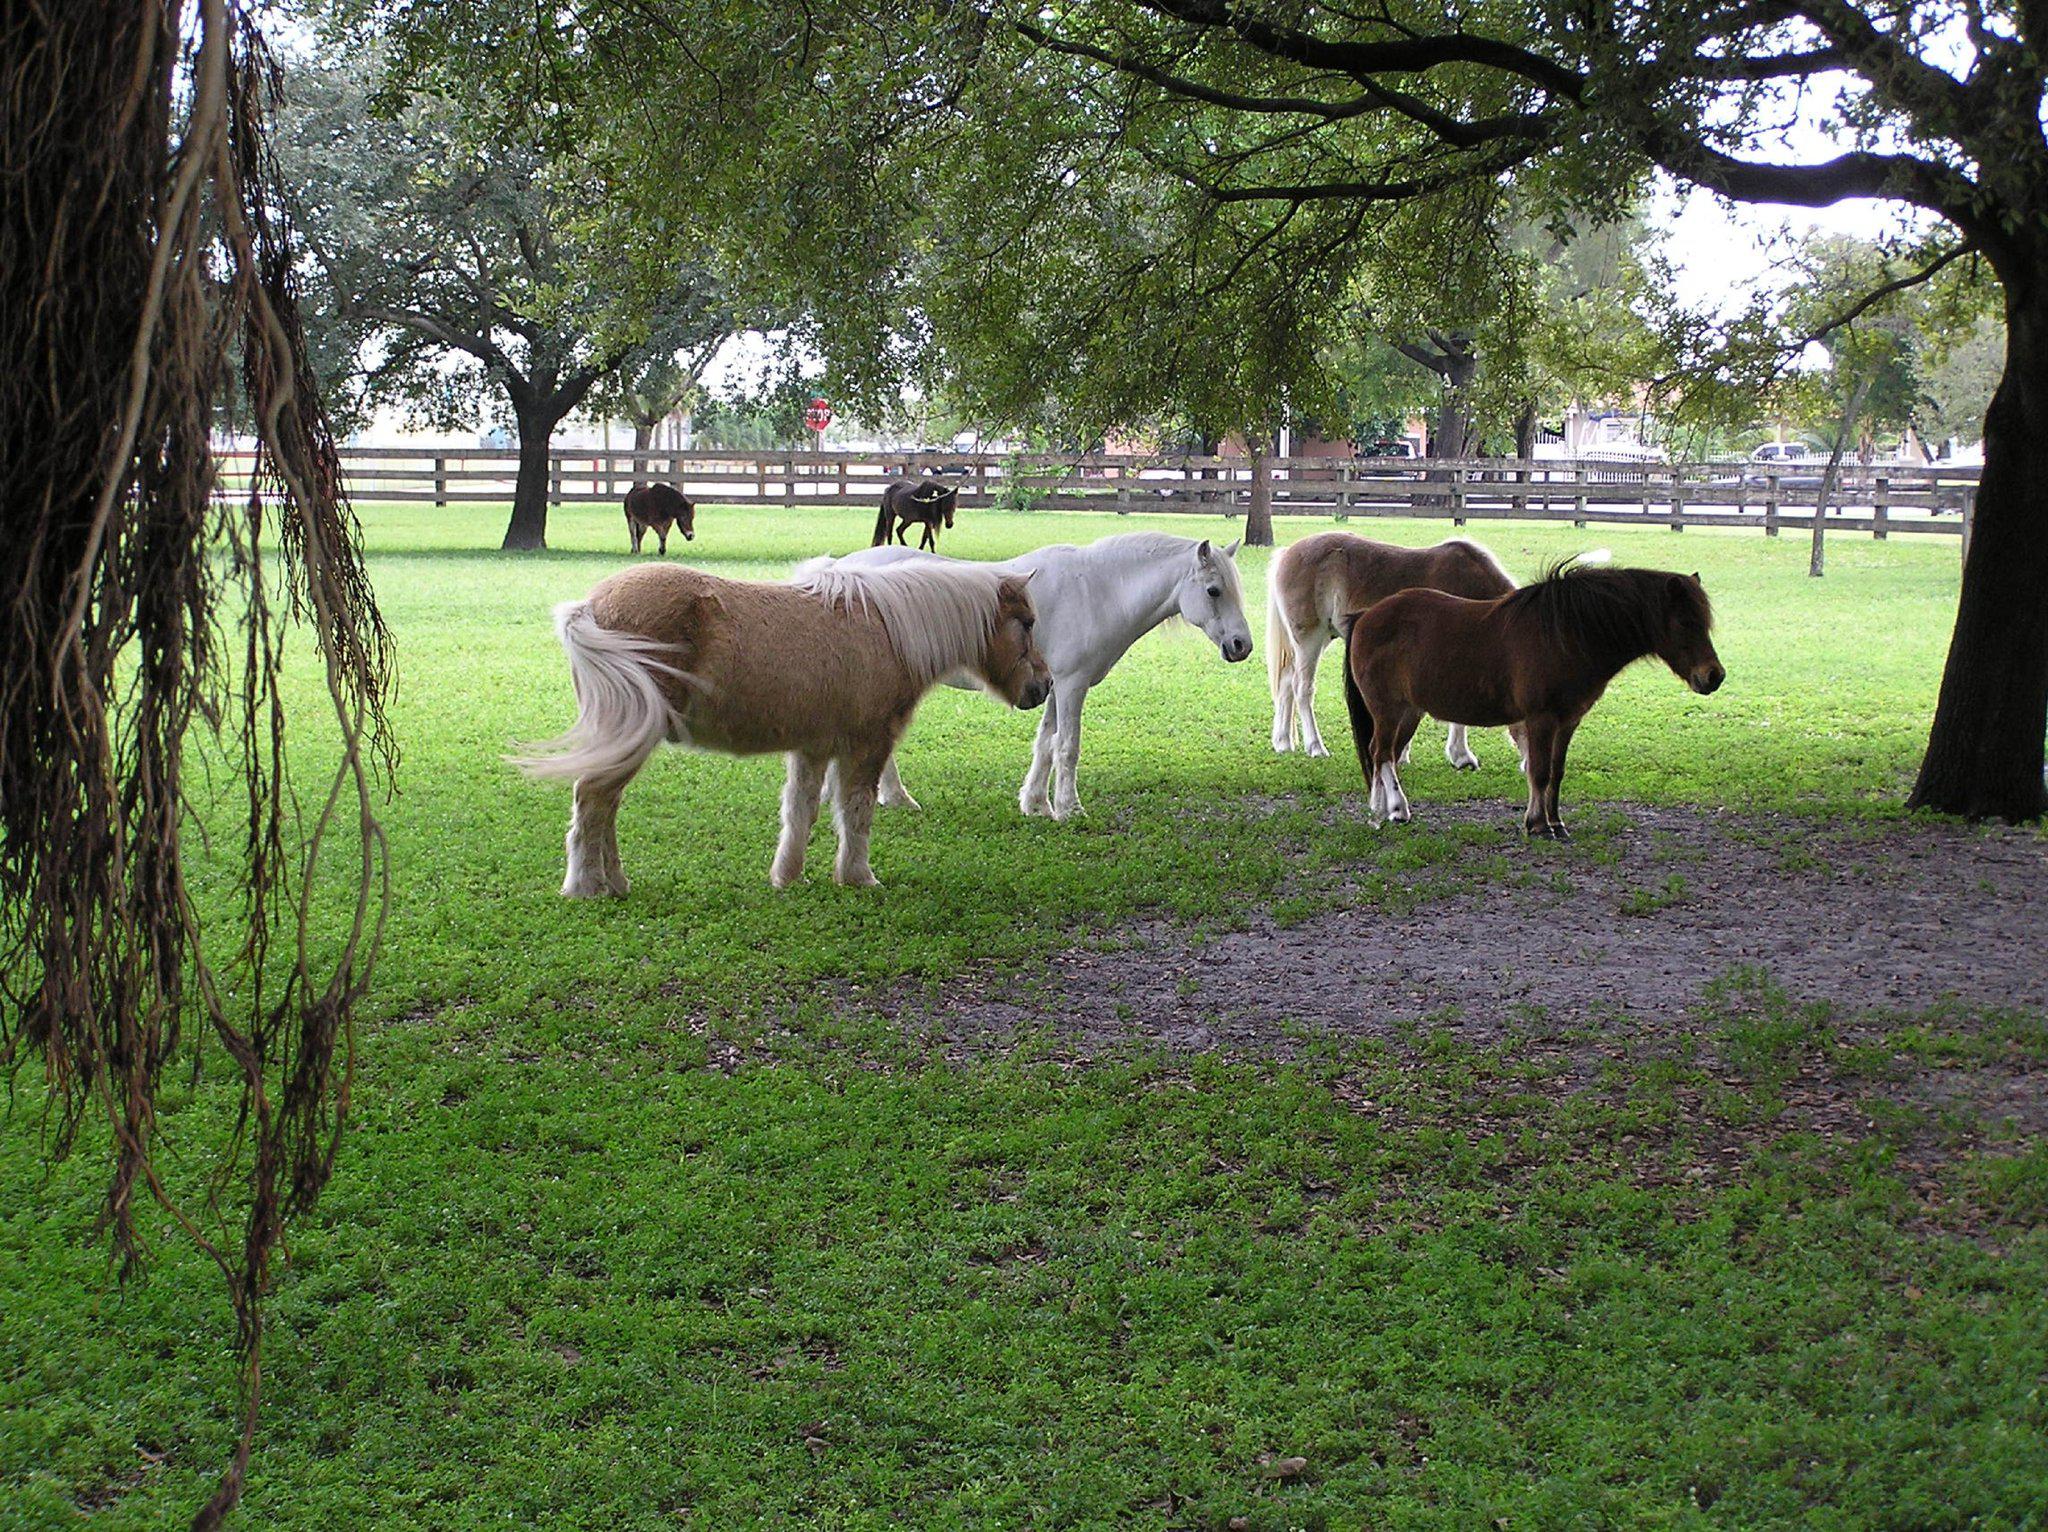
[[1279, 632], [1594, 556], [622, 714]]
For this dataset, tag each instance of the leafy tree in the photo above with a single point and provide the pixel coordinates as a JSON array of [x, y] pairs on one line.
[[1141, 202], [457, 260]]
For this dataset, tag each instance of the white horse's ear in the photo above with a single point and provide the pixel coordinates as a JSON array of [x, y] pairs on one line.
[[1025, 578], [1205, 552], [1231, 551]]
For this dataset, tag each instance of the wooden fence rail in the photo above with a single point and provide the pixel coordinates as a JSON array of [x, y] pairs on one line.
[[1880, 499]]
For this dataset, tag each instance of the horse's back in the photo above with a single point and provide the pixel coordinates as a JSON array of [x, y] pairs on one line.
[[650, 504]]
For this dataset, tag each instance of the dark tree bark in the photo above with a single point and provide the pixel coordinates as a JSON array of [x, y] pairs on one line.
[[1258, 516], [1984, 752], [537, 411]]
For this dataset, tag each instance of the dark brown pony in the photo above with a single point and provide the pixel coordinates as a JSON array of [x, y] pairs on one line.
[[1540, 657], [909, 500], [655, 508]]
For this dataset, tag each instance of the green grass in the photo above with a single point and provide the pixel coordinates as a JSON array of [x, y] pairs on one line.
[[639, 1226]]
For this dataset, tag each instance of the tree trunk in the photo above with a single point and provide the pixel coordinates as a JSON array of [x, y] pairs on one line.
[[1453, 435], [528, 528], [1525, 431], [1816, 559], [1984, 751], [643, 439], [1258, 516]]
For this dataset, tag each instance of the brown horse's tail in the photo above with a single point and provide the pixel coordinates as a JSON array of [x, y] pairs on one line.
[[1354, 704], [882, 526]]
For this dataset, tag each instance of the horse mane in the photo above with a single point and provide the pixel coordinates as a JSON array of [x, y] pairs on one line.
[[938, 615], [1167, 543], [1614, 615]]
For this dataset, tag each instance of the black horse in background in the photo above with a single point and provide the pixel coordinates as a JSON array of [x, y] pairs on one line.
[[655, 508], [909, 500]]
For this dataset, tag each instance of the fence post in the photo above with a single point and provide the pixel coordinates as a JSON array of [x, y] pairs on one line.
[[1579, 495], [789, 478], [1458, 495], [440, 480], [555, 477], [842, 478], [1770, 505], [761, 478], [1344, 491], [1880, 506], [1677, 498]]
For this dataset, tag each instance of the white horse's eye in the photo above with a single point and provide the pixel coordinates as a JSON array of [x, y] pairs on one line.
[[1215, 591]]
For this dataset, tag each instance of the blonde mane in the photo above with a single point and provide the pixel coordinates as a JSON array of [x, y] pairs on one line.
[[938, 616]]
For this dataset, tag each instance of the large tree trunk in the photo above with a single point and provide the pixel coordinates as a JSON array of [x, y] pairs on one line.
[[1984, 751], [528, 528]]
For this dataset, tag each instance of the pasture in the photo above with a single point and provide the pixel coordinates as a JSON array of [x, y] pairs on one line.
[[1039, 1186]]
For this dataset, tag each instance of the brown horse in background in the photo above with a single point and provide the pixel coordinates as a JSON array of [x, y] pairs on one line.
[[1316, 583], [655, 508], [1540, 657], [909, 500], [827, 669]]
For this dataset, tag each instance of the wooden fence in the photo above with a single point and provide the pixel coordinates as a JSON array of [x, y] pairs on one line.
[[1877, 498]]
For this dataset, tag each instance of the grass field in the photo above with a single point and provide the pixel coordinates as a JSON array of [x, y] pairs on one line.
[[580, 1268]]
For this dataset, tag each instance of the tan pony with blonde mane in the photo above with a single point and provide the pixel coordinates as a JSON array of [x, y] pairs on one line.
[[826, 669]]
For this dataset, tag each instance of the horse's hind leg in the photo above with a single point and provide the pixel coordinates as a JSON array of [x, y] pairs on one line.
[[1457, 750], [1033, 797], [639, 534], [594, 871], [662, 533], [1308, 655], [800, 791], [890, 792], [1066, 787], [1392, 799], [929, 539]]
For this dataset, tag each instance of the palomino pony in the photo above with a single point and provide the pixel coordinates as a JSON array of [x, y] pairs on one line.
[[1315, 583], [1093, 604], [827, 669], [1539, 657], [909, 500]]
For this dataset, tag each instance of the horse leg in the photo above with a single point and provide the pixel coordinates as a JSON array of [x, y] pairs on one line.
[[892, 794], [1392, 798], [1518, 735], [902, 528], [800, 791], [1308, 655], [1032, 798], [594, 871], [1560, 742], [853, 812], [1283, 705], [639, 533], [1066, 791], [1539, 731], [930, 539], [662, 533], [1457, 751]]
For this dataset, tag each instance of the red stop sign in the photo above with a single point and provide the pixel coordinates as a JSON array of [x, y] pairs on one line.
[[818, 414]]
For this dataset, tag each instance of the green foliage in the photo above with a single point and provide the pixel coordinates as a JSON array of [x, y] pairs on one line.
[[635, 1207]]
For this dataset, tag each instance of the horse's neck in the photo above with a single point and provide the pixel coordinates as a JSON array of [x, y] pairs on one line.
[[1138, 594]]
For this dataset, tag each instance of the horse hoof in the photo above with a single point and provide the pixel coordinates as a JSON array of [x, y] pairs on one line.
[[1559, 832], [1283, 747], [1065, 811], [1470, 763], [1036, 807], [1319, 749], [782, 880], [859, 880], [904, 801]]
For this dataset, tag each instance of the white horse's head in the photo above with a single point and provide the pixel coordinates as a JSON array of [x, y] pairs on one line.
[[1212, 598]]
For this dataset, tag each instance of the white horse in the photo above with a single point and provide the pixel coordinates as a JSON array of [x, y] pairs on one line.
[[1093, 604]]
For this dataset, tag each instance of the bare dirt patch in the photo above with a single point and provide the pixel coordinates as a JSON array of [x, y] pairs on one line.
[[1635, 920], [1614, 949]]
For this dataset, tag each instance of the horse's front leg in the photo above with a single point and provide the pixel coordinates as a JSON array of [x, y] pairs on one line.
[[1458, 750], [594, 871], [1033, 798], [890, 792], [662, 533], [800, 791], [1066, 788], [853, 811]]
